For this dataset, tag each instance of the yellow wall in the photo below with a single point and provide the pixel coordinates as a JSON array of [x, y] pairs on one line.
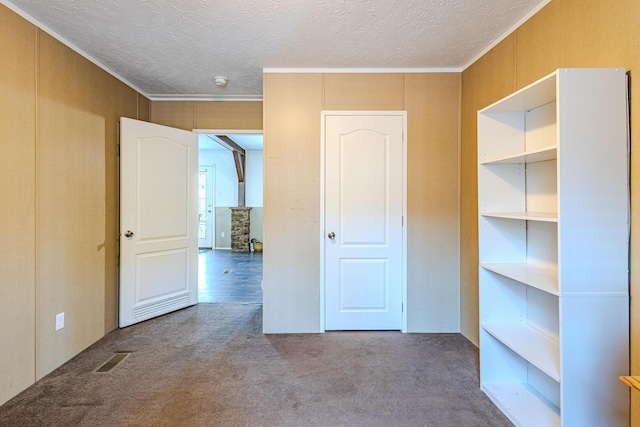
[[220, 115], [59, 183], [292, 106], [565, 33], [58, 216], [58, 177], [18, 207]]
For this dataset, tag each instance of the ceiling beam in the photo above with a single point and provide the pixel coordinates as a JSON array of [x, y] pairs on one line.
[[230, 144], [239, 159]]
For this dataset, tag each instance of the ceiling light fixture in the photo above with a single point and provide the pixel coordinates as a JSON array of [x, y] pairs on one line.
[[220, 80]]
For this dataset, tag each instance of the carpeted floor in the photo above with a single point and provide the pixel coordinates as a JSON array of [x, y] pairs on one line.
[[210, 365]]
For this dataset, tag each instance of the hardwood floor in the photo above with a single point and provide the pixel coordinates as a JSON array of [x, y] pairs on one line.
[[225, 276]]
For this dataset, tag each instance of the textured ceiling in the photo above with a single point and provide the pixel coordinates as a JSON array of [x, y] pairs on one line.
[[176, 47]]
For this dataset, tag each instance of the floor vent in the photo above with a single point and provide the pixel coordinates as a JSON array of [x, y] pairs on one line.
[[113, 362], [226, 271]]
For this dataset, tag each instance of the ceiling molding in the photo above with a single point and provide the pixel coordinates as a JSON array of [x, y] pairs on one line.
[[506, 34], [70, 45], [204, 97], [361, 70], [210, 97]]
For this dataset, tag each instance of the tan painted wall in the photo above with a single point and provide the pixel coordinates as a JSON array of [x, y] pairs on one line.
[[219, 115], [565, 33], [58, 177], [489, 79], [18, 206], [292, 106], [58, 217]]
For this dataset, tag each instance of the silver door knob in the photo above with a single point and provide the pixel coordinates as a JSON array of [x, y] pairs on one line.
[[331, 235], [128, 234]]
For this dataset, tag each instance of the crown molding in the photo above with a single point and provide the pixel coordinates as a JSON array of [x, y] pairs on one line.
[[70, 45], [203, 97], [361, 70]]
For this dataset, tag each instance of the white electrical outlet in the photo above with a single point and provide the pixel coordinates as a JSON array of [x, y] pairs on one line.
[[222, 234], [59, 321]]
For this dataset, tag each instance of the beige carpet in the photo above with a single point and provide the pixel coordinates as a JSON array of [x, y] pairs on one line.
[[210, 365]]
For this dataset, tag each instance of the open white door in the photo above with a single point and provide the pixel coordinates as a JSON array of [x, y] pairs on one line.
[[363, 219], [158, 220]]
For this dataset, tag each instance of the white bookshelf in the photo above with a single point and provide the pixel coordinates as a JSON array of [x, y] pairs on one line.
[[553, 206], [526, 216]]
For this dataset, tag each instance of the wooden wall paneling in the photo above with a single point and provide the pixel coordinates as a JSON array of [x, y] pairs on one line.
[[292, 105], [363, 91], [71, 207], [144, 108], [575, 33], [432, 102], [17, 210], [229, 115], [292, 132], [112, 99], [177, 114], [78, 110], [487, 80]]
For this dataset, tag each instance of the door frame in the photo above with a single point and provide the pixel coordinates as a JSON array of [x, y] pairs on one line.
[[211, 196], [205, 131], [322, 228]]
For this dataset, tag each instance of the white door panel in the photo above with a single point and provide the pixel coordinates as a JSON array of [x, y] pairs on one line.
[[364, 185], [363, 284], [363, 192], [160, 274], [158, 218], [163, 204]]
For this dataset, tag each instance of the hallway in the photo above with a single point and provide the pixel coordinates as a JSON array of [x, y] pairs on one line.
[[230, 277]]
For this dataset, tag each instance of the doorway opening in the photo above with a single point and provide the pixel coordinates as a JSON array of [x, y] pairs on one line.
[[230, 263]]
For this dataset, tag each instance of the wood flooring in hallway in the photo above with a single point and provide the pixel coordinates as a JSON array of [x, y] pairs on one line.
[[225, 276]]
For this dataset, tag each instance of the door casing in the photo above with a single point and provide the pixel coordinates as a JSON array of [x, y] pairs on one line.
[[323, 231], [209, 240]]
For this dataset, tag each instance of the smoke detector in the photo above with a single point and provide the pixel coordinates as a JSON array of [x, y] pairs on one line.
[[220, 80]]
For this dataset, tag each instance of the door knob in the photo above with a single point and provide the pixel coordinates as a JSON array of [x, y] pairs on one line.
[[331, 235], [128, 234]]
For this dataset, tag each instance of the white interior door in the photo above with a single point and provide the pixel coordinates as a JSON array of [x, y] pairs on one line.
[[363, 219], [206, 208], [158, 220]]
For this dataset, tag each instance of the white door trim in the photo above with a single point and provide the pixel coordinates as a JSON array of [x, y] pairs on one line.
[[211, 201], [323, 231]]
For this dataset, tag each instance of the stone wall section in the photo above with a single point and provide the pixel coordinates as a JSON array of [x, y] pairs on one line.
[[240, 229]]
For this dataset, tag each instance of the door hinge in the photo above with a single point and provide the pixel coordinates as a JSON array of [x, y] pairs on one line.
[[401, 307]]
